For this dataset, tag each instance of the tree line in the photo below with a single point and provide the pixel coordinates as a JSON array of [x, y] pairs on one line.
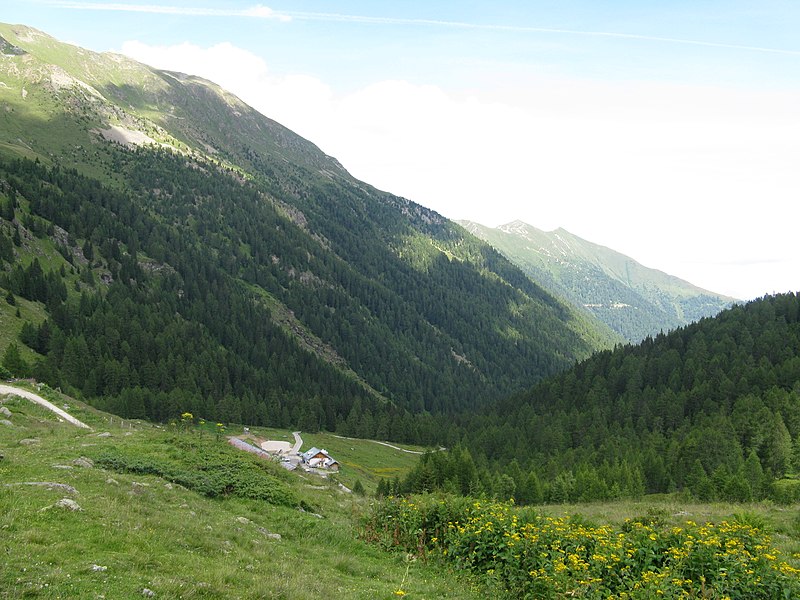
[[711, 409]]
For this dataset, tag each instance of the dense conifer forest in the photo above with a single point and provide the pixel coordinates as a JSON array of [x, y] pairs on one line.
[[233, 270], [712, 409], [176, 276]]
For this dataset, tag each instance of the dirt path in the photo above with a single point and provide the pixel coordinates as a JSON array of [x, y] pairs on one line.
[[381, 443], [9, 390], [298, 442]]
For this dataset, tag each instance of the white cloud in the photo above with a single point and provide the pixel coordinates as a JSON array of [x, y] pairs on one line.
[[293, 100], [680, 178]]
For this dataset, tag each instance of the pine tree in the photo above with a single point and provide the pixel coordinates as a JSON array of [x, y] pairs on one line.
[[27, 335], [7, 210], [13, 361], [778, 447], [754, 475], [88, 251], [6, 249]]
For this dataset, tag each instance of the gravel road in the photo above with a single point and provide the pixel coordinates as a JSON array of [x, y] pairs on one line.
[[9, 390]]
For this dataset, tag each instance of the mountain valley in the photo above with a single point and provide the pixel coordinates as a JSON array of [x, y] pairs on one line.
[[177, 268]]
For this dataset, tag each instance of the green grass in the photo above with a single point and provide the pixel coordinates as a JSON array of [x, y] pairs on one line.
[[11, 325], [17, 151], [782, 521], [149, 533], [364, 460]]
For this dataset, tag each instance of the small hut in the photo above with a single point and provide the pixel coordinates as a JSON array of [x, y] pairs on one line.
[[319, 459]]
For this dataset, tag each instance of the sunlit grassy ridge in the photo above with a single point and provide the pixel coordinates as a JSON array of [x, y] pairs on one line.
[[138, 531]]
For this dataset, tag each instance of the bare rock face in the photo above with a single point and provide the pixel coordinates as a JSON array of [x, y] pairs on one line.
[[268, 534], [50, 485], [86, 463], [5, 412], [29, 441], [6, 422], [68, 504]]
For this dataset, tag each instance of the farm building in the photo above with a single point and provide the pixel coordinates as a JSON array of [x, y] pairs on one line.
[[319, 459]]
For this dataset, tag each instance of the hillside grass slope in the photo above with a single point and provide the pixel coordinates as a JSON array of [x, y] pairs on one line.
[[137, 531]]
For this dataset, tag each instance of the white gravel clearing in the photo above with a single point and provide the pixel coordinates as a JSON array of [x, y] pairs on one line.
[[126, 137]]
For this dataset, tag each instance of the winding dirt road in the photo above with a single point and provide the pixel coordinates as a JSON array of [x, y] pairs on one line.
[[12, 391], [387, 444], [298, 442]]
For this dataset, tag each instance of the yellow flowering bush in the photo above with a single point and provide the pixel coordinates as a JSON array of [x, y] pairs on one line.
[[532, 556]]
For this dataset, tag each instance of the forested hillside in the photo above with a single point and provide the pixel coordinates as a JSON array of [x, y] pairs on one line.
[[712, 408], [229, 268], [246, 277], [635, 301]]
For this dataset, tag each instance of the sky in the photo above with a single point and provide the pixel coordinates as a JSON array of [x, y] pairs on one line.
[[668, 131]]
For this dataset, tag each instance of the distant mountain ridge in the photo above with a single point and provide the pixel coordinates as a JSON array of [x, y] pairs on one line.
[[634, 300]]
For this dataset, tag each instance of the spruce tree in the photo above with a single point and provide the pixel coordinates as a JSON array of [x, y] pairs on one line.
[[13, 361]]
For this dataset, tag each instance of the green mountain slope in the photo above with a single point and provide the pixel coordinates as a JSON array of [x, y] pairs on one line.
[[58, 97], [213, 261], [180, 513], [633, 300], [712, 408]]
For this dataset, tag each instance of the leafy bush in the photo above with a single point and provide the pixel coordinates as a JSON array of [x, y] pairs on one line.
[[531, 556], [754, 520], [786, 491], [206, 468]]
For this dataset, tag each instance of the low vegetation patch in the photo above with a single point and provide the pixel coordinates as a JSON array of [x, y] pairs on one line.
[[122, 528], [365, 460], [532, 556], [206, 467]]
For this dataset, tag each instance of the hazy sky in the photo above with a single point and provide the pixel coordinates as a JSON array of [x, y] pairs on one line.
[[669, 131]]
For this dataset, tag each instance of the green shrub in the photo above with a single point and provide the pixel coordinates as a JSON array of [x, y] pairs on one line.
[[531, 556], [751, 519], [206, 468], [786, 491]]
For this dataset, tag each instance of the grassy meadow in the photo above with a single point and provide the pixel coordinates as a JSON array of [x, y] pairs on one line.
[[367, 461], [175, 510], [523, 552], [138, 531], [364, 460]]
